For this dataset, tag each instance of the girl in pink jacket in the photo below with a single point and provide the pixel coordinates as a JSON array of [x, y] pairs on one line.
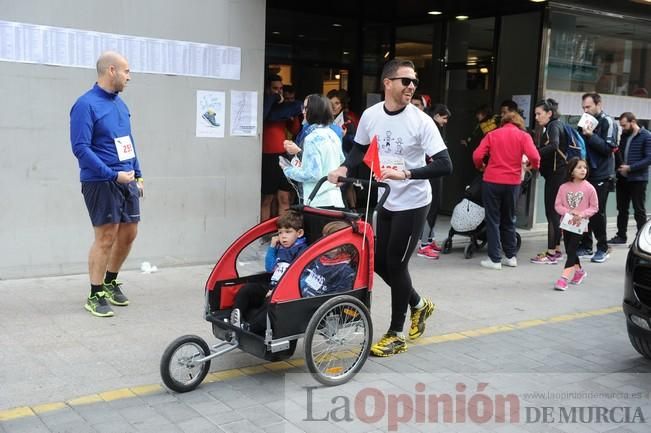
[[576, 202]]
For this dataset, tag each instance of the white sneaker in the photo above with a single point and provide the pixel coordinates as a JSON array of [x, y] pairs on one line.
[[511, 263], [235, 318], [488, 263]]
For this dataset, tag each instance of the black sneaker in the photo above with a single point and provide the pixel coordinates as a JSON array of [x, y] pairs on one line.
[[114, 294], [97, 305], [617, 240], [390, 344]]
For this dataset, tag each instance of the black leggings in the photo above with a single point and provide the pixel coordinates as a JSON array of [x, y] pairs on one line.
[[552, 184], [572, 241], [398, 233]]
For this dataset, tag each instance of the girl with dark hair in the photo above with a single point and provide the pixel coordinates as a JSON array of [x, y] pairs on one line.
[[339, 100], [552, 169], [429, 249], [578, 198], [321, 153]]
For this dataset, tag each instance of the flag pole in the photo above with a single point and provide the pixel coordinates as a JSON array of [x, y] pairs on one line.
[[368, 203]]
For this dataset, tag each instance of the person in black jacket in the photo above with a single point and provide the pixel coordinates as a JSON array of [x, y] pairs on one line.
[[632, 161], [552, 169], [600, 143]]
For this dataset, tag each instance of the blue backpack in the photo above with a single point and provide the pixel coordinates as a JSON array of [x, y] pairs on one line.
[[575, 144]]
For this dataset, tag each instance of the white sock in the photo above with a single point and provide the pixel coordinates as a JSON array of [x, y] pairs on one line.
[[420, 304]]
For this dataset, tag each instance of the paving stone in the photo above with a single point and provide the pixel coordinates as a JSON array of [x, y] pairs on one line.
[[116, 426], [197, 425], [241, 427]]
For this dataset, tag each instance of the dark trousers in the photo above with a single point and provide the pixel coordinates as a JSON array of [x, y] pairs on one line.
[[598, 221], [628, 192], [398, 234], [251, 299], [499, 204], [552, 184], [428, 230], [571, 241]]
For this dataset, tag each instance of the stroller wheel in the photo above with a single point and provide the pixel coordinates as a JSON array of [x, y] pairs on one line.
[[178, 368], [338, 340], [447, 246], [518, 241], [469, 250]]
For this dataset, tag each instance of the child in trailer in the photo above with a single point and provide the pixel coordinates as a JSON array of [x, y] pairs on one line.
[[333, 271], [576, 202], [250, 304]]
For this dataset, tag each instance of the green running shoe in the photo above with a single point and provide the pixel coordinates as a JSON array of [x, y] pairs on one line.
[[97, 305], [114, 294]]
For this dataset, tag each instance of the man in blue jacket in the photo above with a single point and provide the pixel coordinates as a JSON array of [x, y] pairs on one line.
[[632, 161], [111, 180], [600, 143]]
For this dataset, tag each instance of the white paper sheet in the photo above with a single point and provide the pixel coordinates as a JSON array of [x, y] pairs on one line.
[[244, 113], [210, 113], [30, 43]]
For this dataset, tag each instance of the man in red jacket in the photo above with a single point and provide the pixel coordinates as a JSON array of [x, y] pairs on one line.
[[280, 119]]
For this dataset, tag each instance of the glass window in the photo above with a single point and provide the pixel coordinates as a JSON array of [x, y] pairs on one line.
[[602, 54]]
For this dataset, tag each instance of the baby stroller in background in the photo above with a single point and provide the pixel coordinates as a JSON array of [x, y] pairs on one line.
[[468, 219]]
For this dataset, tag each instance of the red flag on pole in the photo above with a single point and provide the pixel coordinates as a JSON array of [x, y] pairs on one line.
[[372, 158]]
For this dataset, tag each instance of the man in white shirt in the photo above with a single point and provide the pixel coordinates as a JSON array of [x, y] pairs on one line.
[[406, 136]]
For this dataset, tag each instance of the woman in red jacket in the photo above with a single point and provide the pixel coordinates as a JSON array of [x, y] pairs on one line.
[[505, 148]]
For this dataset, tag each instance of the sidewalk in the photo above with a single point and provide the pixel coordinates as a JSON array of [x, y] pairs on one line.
[[53, 350]]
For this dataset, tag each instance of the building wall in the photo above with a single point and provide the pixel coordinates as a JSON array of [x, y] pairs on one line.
[[200, 193]]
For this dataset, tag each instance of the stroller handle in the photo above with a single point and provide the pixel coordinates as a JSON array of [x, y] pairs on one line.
[[354, 181]]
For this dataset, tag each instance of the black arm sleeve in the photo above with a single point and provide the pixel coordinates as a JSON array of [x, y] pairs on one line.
[[441, 165], [355, 156]]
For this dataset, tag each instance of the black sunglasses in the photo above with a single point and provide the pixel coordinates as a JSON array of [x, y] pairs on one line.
[[407, 81]]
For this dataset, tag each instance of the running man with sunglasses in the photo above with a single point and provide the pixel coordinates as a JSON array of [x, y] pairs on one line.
[[406, 136]]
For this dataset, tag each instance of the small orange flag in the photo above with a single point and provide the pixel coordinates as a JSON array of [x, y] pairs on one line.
[[372, 158]]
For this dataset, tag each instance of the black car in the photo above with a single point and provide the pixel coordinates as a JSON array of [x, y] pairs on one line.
[[637, 292]]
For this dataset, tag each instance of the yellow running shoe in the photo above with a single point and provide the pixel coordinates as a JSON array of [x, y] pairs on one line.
[[390, 344], [418, 318]]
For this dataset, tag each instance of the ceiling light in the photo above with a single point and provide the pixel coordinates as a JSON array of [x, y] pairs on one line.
[[346, 52], [435, 12], [337, 25], [386, 55], [275, 33], [537, 1], [300, 36], [337, 76], [483, 70], [462, 17]]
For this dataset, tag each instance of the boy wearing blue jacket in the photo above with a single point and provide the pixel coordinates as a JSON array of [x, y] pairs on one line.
[[250, 301]]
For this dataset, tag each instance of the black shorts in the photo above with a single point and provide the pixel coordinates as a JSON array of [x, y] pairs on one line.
[[110, 202], [273, 178]]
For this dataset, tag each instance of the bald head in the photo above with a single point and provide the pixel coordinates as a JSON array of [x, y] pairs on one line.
[[112, 71], [107, 59]]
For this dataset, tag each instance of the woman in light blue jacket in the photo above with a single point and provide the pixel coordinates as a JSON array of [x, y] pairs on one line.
[[321, 153]]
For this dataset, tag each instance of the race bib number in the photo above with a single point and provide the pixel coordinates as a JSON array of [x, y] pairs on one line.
[[394, 162], [281, 267], [315, 281], [124, 146]]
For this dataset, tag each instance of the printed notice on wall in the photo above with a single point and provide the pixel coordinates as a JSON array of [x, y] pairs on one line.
[[244, 113], [31, 43], [210, 113]]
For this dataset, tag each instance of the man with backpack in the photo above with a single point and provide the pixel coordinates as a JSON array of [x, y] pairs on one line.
[[633, 160], [601, 143]]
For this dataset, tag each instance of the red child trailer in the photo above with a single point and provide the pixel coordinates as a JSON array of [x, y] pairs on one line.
[[336, 328]]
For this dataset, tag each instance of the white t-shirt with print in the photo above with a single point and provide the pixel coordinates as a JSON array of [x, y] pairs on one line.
[[403, 141]]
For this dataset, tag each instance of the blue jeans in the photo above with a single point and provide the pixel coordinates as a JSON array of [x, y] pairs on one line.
[[499, 204]]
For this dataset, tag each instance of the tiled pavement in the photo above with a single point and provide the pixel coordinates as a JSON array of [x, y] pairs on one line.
[[571, 354]]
